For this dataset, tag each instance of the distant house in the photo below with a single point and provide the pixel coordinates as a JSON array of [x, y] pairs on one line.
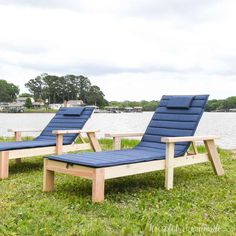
[[128, 109], [55, 106], [23, 99], [138, 109], [19, 105], [111, 109], [75, 103], [14, 107], [37, 105], [3, 105]]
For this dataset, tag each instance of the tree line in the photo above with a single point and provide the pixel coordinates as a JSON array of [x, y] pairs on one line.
[[221, 104], [146, 105], [212, 105], [56, 89]]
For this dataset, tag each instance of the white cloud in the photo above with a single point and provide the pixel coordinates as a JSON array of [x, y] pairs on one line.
[[156, 46]]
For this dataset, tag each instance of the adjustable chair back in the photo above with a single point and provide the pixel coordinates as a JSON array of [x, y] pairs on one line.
[[176, 116], [66, 118]]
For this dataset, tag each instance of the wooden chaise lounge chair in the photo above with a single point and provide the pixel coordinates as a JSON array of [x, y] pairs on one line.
[[163, 147], [48, 142]]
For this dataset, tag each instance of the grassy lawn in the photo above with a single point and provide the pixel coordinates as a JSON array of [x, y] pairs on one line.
[[200, 203]]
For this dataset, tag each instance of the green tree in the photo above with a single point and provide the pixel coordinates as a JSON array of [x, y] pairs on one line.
[[69, 87], [51, 83], [96, 97], [28, 103], [36, 86], [147, 105], [214, 105], [84, 85], [8, 91], [230, 102]]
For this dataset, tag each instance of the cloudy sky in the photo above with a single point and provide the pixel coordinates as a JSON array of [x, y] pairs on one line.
[[132, 49]]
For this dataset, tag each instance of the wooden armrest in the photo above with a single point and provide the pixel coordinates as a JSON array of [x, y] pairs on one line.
[[90, 133], [24, 130], [73, 131], [187, 139], [114, 135]]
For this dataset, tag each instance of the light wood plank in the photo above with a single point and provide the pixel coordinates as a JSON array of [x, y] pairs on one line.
[[169, 168], [74, 170], [123, 135], [194, 147], [190, 160], [46, 150], [98, 185], [133, 169], [187, 139], [94, 142], [17, 136], [116, 143], [4, 164], [48, 178], [214, 157], [75, 131], [144, 167], [18, 139], [59, 144], [79, 137]]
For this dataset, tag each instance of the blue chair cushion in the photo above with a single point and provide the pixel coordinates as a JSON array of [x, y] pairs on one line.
[[109, 158], [5, 146], [183, 102], [66, 119], [75, 119]]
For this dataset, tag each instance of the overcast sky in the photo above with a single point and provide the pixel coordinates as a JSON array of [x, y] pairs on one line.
[[132, 49]]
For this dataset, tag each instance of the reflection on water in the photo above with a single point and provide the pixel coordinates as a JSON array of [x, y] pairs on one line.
[[222, 124]]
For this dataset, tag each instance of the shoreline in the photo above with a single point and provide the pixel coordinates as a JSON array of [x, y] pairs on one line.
[[42, 112]]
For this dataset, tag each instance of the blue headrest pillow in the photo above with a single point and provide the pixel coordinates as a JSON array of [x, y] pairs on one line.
[[182, 102], [74, 111]]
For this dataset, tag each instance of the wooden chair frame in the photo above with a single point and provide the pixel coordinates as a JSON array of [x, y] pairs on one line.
[[99, 175], [5, 156]]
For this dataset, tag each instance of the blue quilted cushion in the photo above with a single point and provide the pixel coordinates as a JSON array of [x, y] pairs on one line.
[[180, 102], [109, 158], [25, 144], [74, 111]]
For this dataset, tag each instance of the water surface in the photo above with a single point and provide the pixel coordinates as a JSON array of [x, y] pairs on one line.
[[222, 124]]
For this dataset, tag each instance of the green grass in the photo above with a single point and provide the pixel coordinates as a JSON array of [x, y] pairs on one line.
[[201, 203]]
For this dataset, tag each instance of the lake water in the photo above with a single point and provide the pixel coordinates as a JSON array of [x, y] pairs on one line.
[[222, 124]]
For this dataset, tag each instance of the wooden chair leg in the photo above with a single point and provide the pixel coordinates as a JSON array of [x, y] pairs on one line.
[[4, 165], [94, 142], [194, 148], [116, 143], [98, 185], [169, 169], [214, 157], [80, 138], [18, 139], [48, 178]]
